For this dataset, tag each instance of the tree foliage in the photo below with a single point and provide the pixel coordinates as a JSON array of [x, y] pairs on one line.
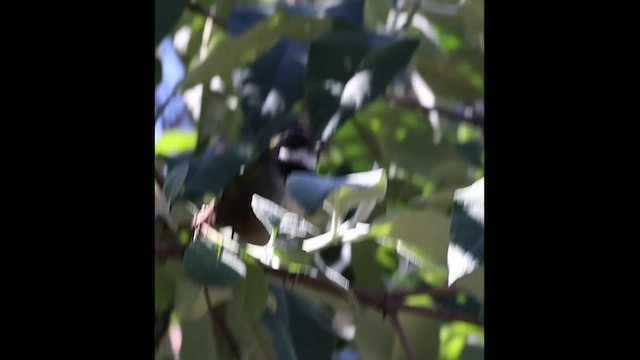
[[379, 252]]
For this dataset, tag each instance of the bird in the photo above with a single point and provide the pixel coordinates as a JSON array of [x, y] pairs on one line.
[[295, 148]]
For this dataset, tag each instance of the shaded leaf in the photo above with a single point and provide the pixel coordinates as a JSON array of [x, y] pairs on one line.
[[280, 336], [165, 284], [241, 50], [311, 332], [207, 264], [374, 335], [174, 181], [251, 293], [198, 340], [253, 339], [423, 335], [167, 13], [427, 228], [372, 265], [211, 172]]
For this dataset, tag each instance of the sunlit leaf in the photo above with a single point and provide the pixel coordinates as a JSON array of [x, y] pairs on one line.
[[274, 216], [466, 250], [460, 340], [427, 228]]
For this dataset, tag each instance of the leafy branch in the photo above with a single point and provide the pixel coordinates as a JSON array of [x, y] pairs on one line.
[[387, 302]]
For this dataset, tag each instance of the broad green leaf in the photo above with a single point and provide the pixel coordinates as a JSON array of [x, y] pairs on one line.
[[198, 340], [252, 338], [280, 335], [427, 228], [473, 282], [165, 285], [406, 140], [190, 302], [174, 181], [207, 264], [210, 173], [167, 13], [372, 264], [176, 141], [241, 50], [311, 332], [460, 340], [466, 249], [423, 334], [251, 293], [374, 335], [376, 12]]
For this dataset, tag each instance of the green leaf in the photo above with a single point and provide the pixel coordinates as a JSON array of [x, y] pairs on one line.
[[176, 141], [427, 228], [423, 335], [251, 293], [174, 181], [212, 172], [198, 341], [252, 338], [167, 13], [466, 250], [207, 264], [460, 340], [280, 335], [333, 59], [165, 286], [311, 332], [241, 50], [372, 264], [374, 338], [190, 302]]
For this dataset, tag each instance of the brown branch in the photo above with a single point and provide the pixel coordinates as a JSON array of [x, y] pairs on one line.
[[202, 10], [219, 327], [403, 338], [389, 302], [474, 119]]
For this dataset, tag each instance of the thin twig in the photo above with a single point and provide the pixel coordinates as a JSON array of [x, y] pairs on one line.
[[403, 338], [388, 302], [473, 118], [220, 327]]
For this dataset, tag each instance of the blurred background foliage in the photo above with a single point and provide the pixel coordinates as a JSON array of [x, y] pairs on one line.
[[229, 75]]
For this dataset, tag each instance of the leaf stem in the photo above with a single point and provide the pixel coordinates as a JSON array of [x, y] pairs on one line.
[[403, 338]]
